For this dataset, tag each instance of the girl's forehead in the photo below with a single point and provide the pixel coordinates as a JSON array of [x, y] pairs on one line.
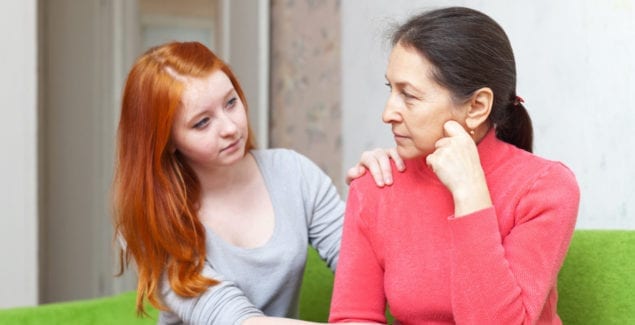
[[206, 90]]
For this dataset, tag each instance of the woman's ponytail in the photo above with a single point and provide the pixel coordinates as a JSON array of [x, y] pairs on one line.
[[514, 125]]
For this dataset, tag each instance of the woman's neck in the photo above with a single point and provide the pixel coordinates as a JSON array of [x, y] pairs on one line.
[[481, 132]]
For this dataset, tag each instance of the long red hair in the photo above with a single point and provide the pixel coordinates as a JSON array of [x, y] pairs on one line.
[[155, 193]]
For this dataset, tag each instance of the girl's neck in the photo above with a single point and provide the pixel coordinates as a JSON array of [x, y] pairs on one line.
[[224, 179]]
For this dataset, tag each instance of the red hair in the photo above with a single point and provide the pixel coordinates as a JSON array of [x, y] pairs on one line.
[[156, 194]]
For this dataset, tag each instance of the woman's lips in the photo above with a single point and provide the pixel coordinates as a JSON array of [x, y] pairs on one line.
[[399, 137]]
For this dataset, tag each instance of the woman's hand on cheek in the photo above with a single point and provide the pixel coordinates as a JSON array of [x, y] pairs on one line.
[[378, 162], [456, 163]]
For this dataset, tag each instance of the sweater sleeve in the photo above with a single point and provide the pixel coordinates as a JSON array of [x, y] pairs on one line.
[[358, 293], [324, 210], [507, 279], [223, 303]]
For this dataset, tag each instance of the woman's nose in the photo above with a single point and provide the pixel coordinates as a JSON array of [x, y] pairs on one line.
[[391, 112]]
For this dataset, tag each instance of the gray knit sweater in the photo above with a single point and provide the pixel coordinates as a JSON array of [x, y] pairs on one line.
[[267, 279]]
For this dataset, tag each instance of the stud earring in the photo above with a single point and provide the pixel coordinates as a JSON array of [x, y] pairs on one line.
[[472, 132]]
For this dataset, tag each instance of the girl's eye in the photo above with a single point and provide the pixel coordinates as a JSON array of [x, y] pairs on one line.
[[202, 123], [232, 102], [388, 85]]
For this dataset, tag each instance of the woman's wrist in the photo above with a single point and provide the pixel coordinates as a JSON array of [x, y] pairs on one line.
[[469, 199]]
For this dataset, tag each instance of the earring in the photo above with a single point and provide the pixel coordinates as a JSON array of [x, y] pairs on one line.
[[472, 132]]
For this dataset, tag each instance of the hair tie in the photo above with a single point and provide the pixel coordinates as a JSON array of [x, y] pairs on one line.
[[518, 100]]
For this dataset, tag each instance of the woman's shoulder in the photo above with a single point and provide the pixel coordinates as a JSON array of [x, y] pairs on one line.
[[545, 166], [558, 174], [365, 185], [536, 169]]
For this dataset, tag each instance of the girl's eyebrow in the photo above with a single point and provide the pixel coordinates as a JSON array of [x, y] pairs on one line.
[[193, 119]]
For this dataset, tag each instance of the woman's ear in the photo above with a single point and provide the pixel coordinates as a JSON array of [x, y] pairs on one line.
[[480, 106]]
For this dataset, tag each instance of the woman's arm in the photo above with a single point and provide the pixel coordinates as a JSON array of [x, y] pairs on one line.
[[283, 321], [358, 293], [503, 278], [456, 163], [508, 278]]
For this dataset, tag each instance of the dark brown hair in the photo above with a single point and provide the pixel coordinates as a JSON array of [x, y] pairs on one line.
[[469, 51]]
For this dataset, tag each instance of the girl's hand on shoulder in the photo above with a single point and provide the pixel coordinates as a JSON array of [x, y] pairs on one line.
[[378, 162], [456, 163]]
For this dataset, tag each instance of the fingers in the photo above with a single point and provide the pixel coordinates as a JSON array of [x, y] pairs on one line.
[[429, 162], [443, 142], [392, 153], [378, 163], [452, 131], [354, 172], [453, 128]]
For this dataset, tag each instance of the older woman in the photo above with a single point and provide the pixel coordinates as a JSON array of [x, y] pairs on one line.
[[477, 227]]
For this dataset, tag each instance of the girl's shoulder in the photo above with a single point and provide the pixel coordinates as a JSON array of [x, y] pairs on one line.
[[286, 163], [279, 157]]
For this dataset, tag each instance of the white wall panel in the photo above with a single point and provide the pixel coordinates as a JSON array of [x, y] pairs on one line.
[[575, 71], [18, 162]]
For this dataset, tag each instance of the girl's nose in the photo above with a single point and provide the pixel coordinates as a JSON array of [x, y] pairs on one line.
[[228, 126]]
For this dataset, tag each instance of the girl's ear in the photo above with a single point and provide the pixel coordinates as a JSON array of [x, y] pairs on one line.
[[480, 106]]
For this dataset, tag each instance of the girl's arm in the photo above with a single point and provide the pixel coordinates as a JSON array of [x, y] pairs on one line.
[[223, 303]]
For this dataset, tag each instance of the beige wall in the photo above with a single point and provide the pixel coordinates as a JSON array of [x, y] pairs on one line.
[[83, 43], [18, 164], [189, 8], [305, 81]]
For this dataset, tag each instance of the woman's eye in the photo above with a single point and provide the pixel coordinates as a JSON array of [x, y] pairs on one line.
[[202, 123], [407, 95], [388, 85]]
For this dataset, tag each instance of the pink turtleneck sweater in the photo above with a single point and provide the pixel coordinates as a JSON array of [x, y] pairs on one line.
[[402, 245]]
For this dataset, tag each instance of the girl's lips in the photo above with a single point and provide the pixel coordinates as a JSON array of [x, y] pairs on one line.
[[232, 146]]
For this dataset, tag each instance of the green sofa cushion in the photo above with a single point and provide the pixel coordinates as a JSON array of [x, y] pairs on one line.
[[317, 287], [118, 309], [596, 286]]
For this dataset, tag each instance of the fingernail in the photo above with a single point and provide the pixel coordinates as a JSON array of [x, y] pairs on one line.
[[388, 180]]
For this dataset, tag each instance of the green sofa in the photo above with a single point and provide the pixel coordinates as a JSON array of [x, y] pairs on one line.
[[596, 286]]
